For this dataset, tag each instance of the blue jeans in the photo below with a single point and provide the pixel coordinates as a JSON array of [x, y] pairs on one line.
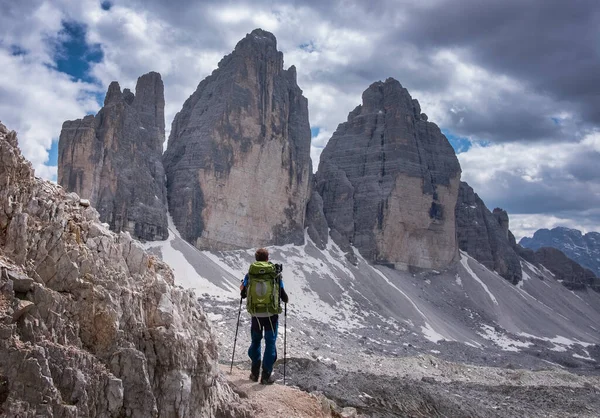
[[268, 327]]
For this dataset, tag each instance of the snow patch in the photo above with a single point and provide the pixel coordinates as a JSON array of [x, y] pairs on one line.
[[431, 334], [561, 343], [524, 278], [584, 357], [402, 292], [501, 340], [458, 280], [464, 260], [213, 316], [185, 274]]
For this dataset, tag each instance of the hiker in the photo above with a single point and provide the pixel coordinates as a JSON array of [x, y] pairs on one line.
[[263, 286]]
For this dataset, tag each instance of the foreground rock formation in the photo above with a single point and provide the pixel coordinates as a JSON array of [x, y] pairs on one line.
[[238, 158], [114, 159], [389, 182], [91, 325], [583, 248], [485, 235]]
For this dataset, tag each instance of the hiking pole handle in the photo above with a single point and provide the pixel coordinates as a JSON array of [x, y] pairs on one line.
[[236, 334]]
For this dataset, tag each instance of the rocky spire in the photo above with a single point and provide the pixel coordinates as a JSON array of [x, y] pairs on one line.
[[485, 235], [389, 182], [238, 157], [115, 159]]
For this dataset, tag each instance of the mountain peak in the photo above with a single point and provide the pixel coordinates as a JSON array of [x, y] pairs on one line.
[[259, 33], [258, 38], [383, 153], [255, 131], [113, 94]]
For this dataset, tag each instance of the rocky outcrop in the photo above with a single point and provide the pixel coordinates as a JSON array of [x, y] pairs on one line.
[[114, 159], [91, 325], [584, 249], [316, 224], [238, 157], [485, 236], [565, 270], [389, 182]]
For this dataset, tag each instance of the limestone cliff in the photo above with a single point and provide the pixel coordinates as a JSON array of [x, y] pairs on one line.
[[238, 157], [389, 181], [91, 325], [485, 235], [114, 159]]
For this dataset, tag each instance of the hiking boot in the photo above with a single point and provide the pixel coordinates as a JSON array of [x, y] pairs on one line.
[[255, 371], [266, 379]]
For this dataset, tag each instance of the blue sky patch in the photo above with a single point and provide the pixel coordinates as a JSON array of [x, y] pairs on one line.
[[314, 131], [75, 56], [308, 46], [460, 144], [16, 50], [53, 154]]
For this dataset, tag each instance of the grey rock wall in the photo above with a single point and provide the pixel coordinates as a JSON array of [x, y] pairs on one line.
[[114, 159], [389, 180], [485, 235], [569, 272], [238, 157], [90, 324]]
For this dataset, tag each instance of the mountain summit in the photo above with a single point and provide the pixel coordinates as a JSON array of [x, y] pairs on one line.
[[238, 158]]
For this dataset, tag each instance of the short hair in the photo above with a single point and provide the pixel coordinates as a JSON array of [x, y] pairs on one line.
[[262, 254]]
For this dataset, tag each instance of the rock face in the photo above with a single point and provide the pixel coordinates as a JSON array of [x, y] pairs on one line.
[[91, 325], [114, 159], [389, 182], [585, 249], [569, 272], [485, 235], [238, 158]]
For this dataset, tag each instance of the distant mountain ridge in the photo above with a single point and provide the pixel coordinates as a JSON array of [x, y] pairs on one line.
[[582, 248]]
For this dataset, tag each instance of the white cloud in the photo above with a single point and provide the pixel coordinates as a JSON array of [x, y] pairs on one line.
[[540, 185], [316, 148], [35, 100]]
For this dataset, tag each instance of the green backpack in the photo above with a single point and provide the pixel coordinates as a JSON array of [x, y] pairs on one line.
[[263, 289]]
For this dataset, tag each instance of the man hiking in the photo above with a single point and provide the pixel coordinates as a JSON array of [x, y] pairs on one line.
[[263, 288]]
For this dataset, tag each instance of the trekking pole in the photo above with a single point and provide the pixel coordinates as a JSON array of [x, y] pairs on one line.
[[236, 332], [284, 341]]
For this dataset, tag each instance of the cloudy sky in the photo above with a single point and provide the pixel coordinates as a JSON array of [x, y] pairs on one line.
[[514, 84]]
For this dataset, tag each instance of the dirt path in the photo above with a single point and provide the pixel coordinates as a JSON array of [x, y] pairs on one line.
[[274, 401]]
